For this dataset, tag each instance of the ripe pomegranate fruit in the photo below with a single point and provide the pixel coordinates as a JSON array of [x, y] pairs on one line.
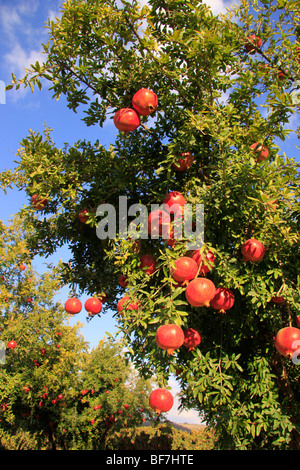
[[183, 163], [161, 400], [83, 216], [73, 306], [206, 262], [223, 299], [278, 300], [287, 341], [123, 280], [255, 40], [125, 302], [11, 344], [93, 306], [260, 150], [174, 201], [145, 101], [126, 119], [192, 338], [169, 337], [186, 269], [200, 291], [158, 222], [148, 261], [38, 202], [253, 250]]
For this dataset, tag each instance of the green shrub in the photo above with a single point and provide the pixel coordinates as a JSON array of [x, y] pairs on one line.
[[161, 437]]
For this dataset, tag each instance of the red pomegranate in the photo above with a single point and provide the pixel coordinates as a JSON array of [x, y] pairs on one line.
[[253, 250], [83, 216], [174, 201], [278, 300], [73, 306], [123, 280], [183, 163], [192, 338], [161, 400], [260, 150], [287, 341], [125, 302], [298, 321], [169, 337], [255, 40], [145, 101], [223, 299], [11, 344], [126, 119], [38, 202], [158, 222], [200, 291], [93, 306], [186, 269], [148, 261], [206, 262]]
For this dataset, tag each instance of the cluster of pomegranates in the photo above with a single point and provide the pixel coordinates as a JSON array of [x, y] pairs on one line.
[[144, 102], [93, 306]]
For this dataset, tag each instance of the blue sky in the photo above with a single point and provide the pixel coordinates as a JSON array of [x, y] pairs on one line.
[[22, 31]]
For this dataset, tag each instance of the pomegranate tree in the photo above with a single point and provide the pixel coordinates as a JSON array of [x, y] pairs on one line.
[[287, 341], [161, 400], [169, 337]]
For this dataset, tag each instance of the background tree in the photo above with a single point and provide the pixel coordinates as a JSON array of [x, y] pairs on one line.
[[43, 354], [54, 392], [220, 91], [111, 398]]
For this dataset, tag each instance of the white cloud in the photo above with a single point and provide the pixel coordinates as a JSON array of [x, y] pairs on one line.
[[219, 6], [17, 59]]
